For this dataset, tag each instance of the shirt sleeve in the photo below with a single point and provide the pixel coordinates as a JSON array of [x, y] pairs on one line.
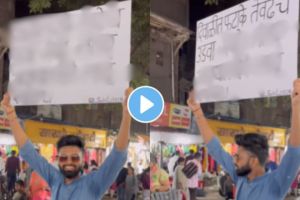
[[101, 179], [222, 157], [6, 165], [39, 164], [19, 169], [181, 177], [199, 169], [287, 171]]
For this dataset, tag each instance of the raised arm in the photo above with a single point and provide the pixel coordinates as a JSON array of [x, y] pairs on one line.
[[289, 165], [113, 164], [201, 121], [294, 140], [27, 151], [214, 147], [124, 132], [15, 126]]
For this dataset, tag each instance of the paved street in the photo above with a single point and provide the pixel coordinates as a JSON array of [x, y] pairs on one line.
[[213, 195]]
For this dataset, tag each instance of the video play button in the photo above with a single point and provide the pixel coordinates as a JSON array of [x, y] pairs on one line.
[[145, 104]]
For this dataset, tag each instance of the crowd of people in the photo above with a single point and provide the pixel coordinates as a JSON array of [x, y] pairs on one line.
[[130, 184], [181, 174], [19, 181]]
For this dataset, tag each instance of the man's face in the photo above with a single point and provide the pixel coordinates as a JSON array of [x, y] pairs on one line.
[[198, 159], [18, 187], [70, 161], [243, 160], [151, 164]]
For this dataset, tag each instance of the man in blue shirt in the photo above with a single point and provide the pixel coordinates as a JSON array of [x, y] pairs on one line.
[[66, 182], [247, 167]]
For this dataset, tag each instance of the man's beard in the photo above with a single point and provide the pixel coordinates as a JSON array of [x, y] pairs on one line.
[[243, 171], [70, 174]]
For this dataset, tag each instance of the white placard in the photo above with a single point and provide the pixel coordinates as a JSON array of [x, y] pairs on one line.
[[75, 57], [247, 51]]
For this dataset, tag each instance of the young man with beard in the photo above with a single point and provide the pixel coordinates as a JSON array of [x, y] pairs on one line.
[[66, 182], [247, 167]]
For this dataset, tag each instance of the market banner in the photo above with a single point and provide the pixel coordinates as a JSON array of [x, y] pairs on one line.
[[227, 130], [163, 120], [180, 116], [4, 123], [174, 116], [48, 133]]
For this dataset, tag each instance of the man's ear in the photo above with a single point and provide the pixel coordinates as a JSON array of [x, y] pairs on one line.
[[255, 161]]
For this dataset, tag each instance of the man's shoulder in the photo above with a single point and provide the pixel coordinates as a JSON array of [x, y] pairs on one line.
[[14, 159], [9, 159], [258, 181]]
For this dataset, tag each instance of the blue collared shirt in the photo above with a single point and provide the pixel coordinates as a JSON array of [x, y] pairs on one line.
[[89, 187], [273, 186]]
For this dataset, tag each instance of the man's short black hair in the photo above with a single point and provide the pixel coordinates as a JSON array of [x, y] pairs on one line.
[[70, 140], [20, 183], [13, 152], [256, 144], [197, 155]]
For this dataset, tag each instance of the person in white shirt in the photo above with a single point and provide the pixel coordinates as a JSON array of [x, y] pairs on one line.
[[193, 181], [172, 162], [140, 167], [2, 164]]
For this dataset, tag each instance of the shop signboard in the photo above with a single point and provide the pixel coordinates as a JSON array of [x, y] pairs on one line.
[[174, 116], [227, 130], [180, 116], [163, 120], [4, 123], [48, 133]]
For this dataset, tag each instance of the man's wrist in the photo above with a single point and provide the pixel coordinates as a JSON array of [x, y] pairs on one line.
[[10, 111], [295, 111], [198, 113], [196, 109], [126, 116], [12, 118]]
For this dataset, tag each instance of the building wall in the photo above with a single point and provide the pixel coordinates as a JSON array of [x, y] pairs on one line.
[[174, 10], [7, 13], [160, 67]]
